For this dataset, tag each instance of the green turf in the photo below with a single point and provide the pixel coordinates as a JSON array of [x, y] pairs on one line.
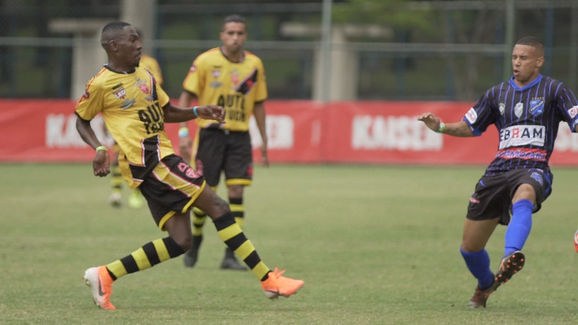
[[375, 245]]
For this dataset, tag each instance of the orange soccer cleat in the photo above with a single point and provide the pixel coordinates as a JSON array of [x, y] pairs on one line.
[[100, 283], [277, 285]]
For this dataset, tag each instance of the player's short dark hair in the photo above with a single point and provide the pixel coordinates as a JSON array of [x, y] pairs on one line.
[[115, 25], [532, 41], [234, 19], [110, 30]]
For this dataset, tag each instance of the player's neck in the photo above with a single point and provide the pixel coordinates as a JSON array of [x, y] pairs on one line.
[[233, 57], [120, 68]]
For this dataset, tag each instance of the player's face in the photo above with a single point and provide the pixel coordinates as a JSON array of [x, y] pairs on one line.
[[526, 63], [129, 46], [233, 37]]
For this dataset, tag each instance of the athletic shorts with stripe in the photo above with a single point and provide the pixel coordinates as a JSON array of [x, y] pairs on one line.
[[228, 151], [493, 194], [171, 187]]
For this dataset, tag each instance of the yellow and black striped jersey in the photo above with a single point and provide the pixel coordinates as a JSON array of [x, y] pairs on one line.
[[131, 105], [234, 86]]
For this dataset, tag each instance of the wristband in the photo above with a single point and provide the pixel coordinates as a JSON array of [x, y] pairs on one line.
[[101, 148], [195, 111], [183, 132], [442, 128]]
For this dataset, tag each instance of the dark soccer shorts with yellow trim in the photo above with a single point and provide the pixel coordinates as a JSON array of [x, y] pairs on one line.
[[493, 194], [228, 151], [171, 187]]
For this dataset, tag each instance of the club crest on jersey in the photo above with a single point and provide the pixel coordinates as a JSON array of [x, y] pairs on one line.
[[536, 107], [573, 111], [119, 93], [235, 77], [519, 109], [502, 108]]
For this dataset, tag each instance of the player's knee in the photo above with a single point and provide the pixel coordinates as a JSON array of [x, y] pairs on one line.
[[184, 242]]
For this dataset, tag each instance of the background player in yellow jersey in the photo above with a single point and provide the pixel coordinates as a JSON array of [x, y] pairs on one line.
[[135, 199], [233, 78], [134, 108]]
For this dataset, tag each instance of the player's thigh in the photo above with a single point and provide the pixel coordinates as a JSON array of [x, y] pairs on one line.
[[171, 188]]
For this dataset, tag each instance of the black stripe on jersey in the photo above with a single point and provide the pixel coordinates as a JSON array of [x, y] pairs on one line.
[[151, 157], [248, 83]]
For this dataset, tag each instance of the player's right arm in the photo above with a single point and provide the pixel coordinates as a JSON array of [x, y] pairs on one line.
[[457, 129], [101, 161]]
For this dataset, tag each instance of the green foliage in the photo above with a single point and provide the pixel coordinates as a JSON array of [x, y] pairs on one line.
[[375, 245]]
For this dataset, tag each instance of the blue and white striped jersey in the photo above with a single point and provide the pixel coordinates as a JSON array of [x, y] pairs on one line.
[[527, 120]]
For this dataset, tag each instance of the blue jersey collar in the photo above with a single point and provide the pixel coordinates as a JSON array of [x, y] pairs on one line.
[[531, 84]]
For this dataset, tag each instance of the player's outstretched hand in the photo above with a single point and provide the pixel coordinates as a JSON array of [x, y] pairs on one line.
[[430, 120], [101, 163], [211, 112]]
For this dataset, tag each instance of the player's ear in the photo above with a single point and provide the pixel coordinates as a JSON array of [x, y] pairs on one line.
[[540, 61]]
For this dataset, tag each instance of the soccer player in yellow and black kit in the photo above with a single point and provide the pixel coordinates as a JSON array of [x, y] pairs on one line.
[[135, 200], [231, 77], [134, 109]]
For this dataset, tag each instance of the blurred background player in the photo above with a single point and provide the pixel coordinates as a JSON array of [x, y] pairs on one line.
[[526, 110], [233, 78], [135, 199], [135, 109]]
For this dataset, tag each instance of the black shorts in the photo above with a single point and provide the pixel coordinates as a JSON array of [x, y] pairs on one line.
[[493, 194], [228, 151], [171, 187]]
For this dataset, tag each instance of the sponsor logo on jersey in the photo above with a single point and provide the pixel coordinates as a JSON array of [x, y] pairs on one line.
[[119, 93], [522, 153], [471, 115], [573, 111], [215, 84], [536, 106], [519, 109], [522, 135], [216, 73], [502, 108], [127, 103], [474, 200]]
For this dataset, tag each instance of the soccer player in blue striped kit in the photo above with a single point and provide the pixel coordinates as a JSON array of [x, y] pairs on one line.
[[526, 110]]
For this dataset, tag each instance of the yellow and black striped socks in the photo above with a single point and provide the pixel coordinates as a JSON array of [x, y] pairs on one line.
[[237, 210], [149, 255], [231, 234]]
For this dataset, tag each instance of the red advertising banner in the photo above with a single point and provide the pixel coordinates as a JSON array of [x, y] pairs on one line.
[[298, 132]]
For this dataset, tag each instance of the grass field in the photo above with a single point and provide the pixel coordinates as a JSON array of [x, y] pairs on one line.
[[375, 245]]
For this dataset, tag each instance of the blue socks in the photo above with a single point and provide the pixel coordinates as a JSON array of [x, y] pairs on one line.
[[519, 227], [479, 264]]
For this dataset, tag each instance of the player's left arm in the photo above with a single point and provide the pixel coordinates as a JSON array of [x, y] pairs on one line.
[[261, 119], [175, 114]]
